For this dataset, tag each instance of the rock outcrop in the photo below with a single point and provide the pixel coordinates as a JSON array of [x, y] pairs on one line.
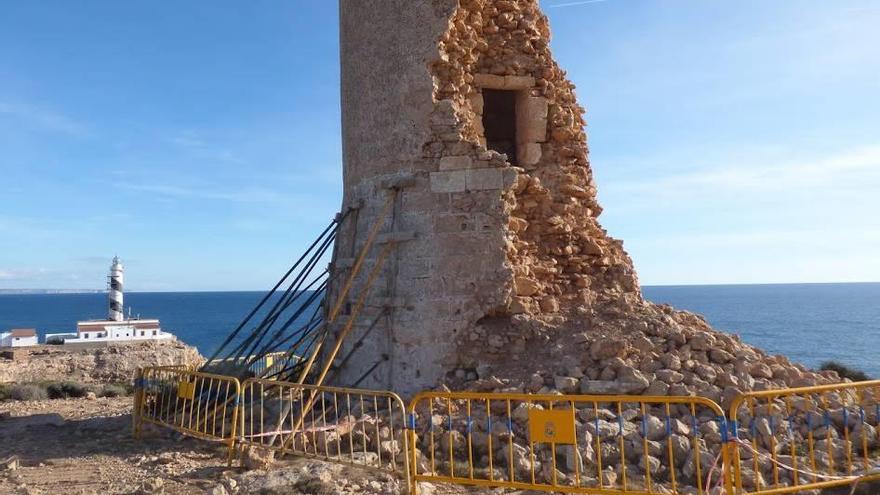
[[110, 363]]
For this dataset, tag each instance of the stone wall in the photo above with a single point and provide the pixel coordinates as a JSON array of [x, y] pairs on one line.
[[559, 253], [448, 268]]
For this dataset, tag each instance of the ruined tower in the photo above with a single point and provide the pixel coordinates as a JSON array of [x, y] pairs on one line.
[[457, 112]]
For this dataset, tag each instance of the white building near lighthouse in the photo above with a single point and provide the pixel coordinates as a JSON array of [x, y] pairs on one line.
[[18, 337], [116, 328]]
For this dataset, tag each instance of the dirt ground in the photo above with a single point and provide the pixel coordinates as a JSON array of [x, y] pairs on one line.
[[85, 446]]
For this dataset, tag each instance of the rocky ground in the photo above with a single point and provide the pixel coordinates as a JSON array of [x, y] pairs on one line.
[[109, 363], [642, 349], [82, 446], [85, 445]]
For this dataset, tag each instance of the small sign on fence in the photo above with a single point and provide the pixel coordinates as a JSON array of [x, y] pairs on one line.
[[552, 426], [186, 390]]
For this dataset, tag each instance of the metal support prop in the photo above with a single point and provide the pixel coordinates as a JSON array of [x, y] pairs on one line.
[[334, 312], [348, 283], [345, 331]]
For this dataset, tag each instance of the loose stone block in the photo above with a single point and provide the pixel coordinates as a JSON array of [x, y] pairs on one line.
[[402, 180], [521, 305], [449, 182], [510, 177], [526, 286], [456, 162], [518, 82], [484, 178], [343, 263], [453, 223], [401, 236], [477, 103], [416, 268], [529, 154], [481, 131], [531, 119], [490, 81]]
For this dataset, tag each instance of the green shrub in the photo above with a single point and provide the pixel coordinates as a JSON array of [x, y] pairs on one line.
[[75, 390], [61, 390], [114, 390], [28, 391], [65, 390], [55, 391], [845, 371]]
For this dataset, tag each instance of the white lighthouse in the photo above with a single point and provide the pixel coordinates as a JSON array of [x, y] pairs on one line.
[[115, 293], [116, 328]]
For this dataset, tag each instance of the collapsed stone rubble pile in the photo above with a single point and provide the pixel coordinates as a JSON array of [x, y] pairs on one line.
[[659, 351], [680, 445]]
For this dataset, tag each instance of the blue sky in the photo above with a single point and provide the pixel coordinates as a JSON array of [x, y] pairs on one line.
[[733, 142]]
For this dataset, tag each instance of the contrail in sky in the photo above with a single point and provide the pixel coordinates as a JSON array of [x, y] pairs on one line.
[[572, 4]]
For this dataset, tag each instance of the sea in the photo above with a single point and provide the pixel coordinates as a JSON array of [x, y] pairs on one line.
[[809, 323]]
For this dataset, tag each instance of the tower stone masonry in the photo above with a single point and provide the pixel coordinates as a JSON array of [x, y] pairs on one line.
[[456, 113]]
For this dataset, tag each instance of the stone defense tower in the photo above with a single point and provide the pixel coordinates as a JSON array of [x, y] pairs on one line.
[[456, 109], [115, 294]]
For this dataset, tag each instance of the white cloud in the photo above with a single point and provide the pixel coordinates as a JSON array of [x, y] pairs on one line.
[[816, 239], [573, 4], [22, 228], [857, 166], [832, 254], [8, 274], [753, 218], [244, 195], [195, 142], [188, 139], [44, 119]]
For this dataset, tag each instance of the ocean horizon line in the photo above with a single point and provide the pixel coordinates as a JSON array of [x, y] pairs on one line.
[[221, 291]]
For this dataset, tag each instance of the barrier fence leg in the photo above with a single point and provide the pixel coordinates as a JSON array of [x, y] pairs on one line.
[[137, 408], [728, 466], [242, 445], [413, 468], [234, 424]]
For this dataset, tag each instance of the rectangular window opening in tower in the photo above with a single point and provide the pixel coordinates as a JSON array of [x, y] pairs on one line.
[[499, 121]]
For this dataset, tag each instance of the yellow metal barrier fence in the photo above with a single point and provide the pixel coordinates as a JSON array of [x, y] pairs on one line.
[[778, 441], [201, 405], [568, 443], [272, 363], [792, 440], [360, 427], [264, 366]]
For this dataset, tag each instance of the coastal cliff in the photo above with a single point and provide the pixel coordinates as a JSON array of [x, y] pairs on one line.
[[94, 364]]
